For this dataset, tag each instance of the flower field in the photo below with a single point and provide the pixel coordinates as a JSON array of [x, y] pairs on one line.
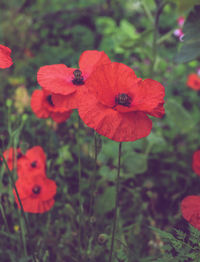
[[99, 131]]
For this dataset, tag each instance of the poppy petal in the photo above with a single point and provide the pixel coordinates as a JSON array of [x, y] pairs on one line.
[[193, 81], [56, 79], [190, 208], [149, 98], [113, 124], [5, 59], [68, 102], [91, 59], [37, 104], [196, 162], [60, 117], [35, 153]]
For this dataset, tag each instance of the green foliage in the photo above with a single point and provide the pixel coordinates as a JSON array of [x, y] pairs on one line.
[[179, 247], [191, 40]]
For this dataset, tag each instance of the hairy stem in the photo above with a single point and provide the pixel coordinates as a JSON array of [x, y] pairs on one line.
[[155, 35], [116, 204]]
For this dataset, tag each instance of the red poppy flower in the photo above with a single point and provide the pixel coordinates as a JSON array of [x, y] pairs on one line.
[[190, 208], [115, 103], [36, 193], [5, 59], [34, 161], [43, 106], [12, 157], [64, 83], [193, 81], [196, 162]]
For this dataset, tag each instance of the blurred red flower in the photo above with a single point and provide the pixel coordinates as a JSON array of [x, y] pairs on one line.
[[116, 103], [12, 157], [34, 161], [5, 59], [28, 164], [190, 208], [43, 106], [196, 162], [36, 193], [193, 81], [64, 82]]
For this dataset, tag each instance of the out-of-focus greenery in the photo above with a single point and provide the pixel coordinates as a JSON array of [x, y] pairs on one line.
[[156, 172]]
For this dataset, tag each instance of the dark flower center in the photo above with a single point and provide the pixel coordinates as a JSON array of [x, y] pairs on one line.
[[78, 78], [19, 155], [123, 100], [49, 100], [36, 189], [34, 164]]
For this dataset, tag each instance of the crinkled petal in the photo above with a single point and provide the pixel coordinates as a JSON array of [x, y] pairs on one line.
[[91, 59], [48, 189], [109, 80], [196, 162], [149, 98], [57, 79], [190, 208], [5, 59], [193, 81], [35, 153], [60, 117], [37, 104], [113, 124], [68, 102]]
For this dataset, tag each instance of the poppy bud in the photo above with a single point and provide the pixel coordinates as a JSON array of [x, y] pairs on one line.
[[102, 239]]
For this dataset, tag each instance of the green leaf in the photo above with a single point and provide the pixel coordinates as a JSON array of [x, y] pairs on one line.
[[128, 29], [135, 163], [106, 25], [184, 5], [178, 117], [190, 48], [106, 201]]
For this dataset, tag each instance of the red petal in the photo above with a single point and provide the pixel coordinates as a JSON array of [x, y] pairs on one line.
[[90, 59], [68, 102], [48, 189], [57, 79], [36, 153], [37, 104], [193, 81], [113, 124], [60, 117], [5, 59], [190, 208], [196, 162], [109, 80], [149, 98]]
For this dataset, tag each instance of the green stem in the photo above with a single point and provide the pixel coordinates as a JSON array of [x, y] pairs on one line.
[[147, 11], [20, 203], [4, 218], [17, 194], [155, 35], [79, 189], [93, 178], [116, 203]]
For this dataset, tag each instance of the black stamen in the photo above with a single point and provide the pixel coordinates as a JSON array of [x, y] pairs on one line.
[[36, 189], [123, 99], [49, 100], [78, 78], [34, 164], [19, 155]]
